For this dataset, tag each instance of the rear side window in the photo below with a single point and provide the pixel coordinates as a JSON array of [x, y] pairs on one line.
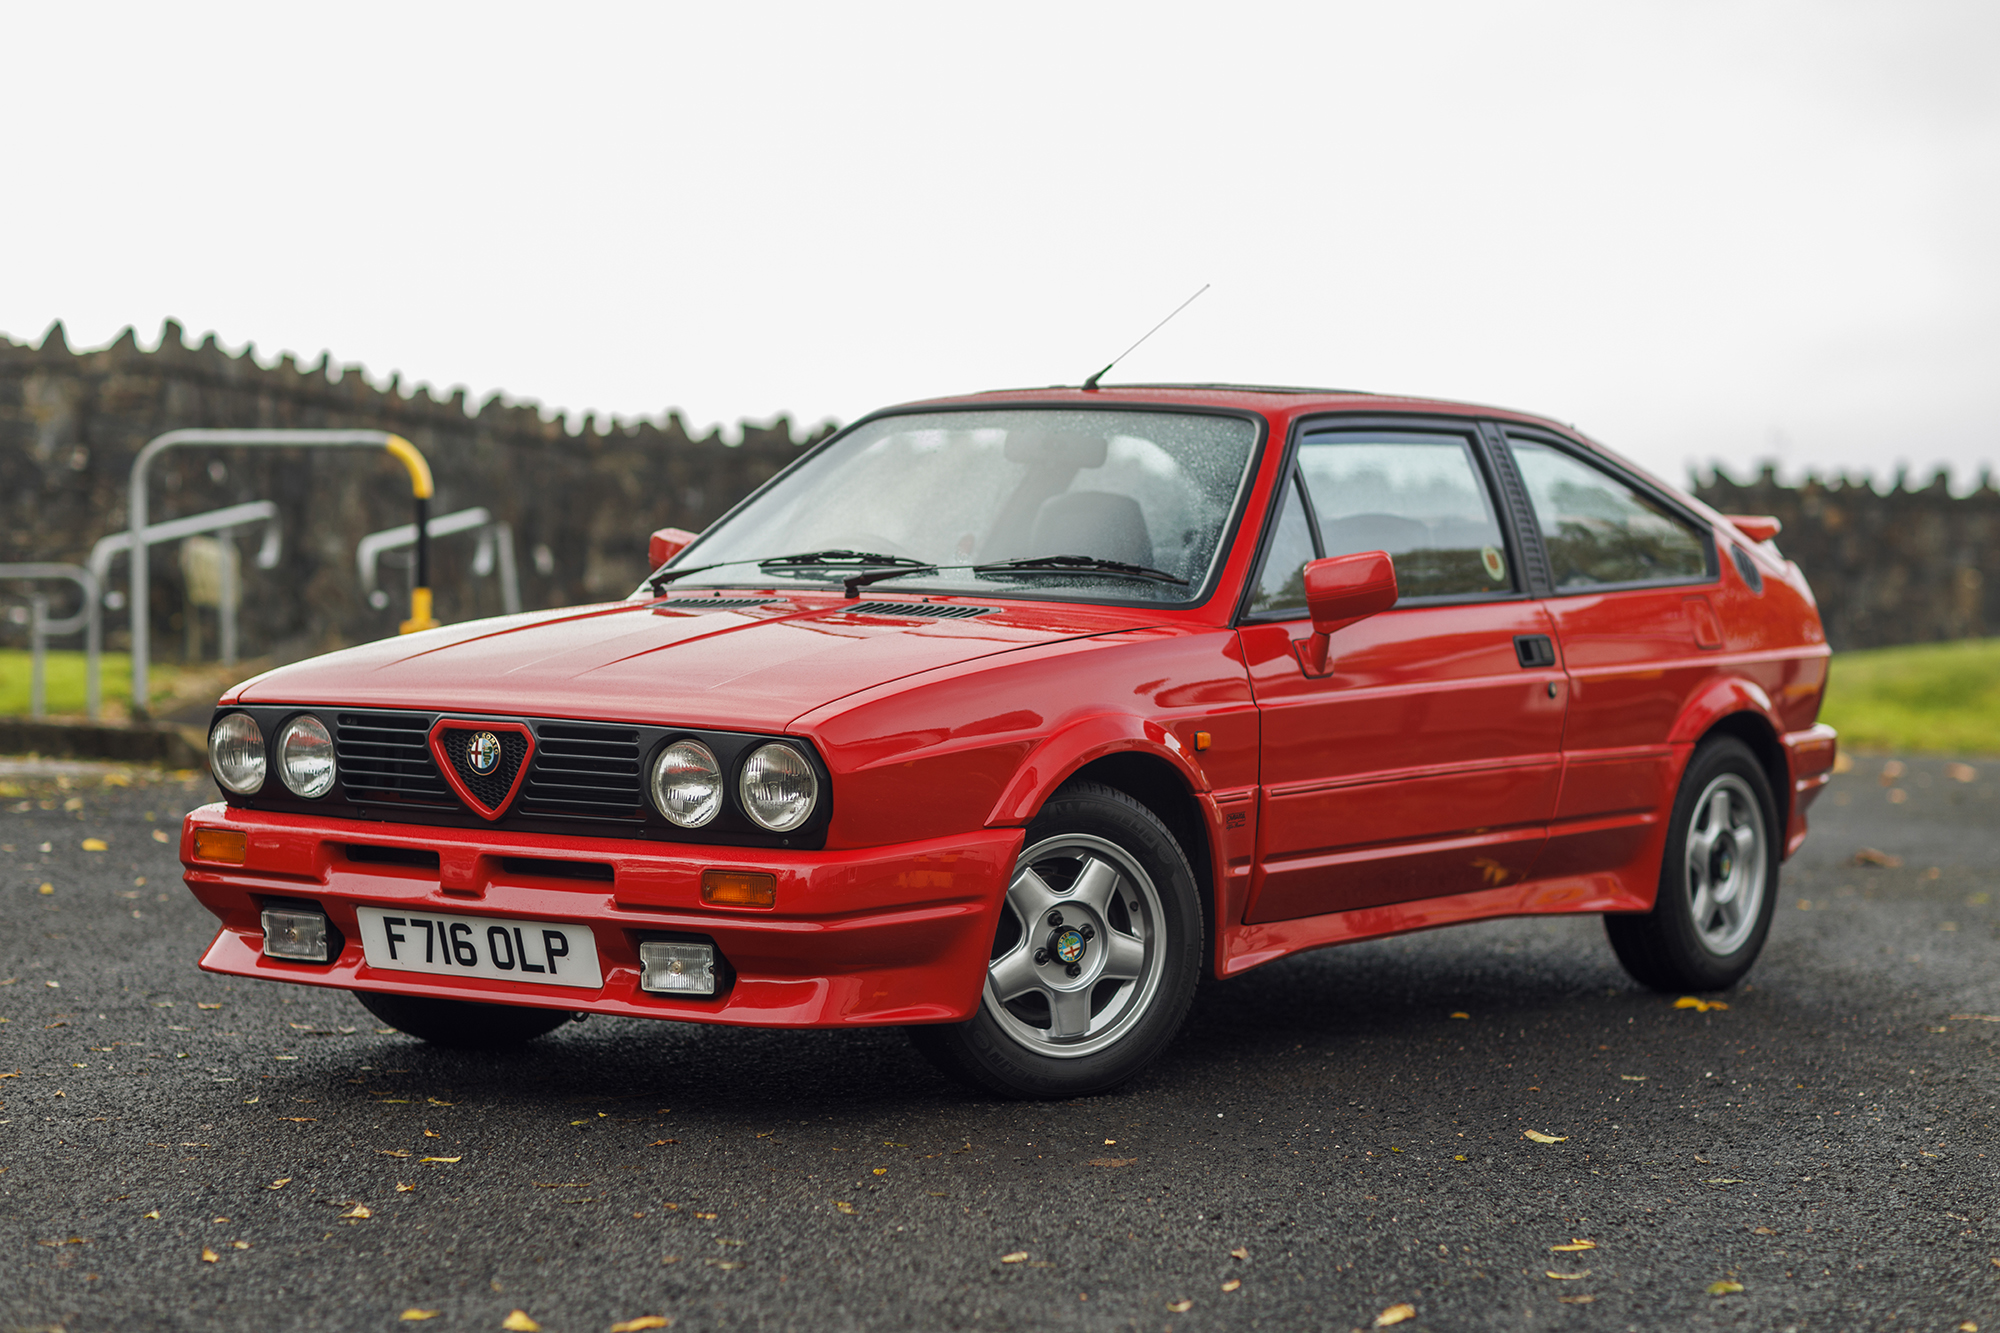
[[1598, 530], [1418, 496]]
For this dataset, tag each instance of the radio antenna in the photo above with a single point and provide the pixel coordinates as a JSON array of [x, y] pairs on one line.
[[1091, 383]]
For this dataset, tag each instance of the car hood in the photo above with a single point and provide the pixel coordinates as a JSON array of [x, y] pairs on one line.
[[674, 663]]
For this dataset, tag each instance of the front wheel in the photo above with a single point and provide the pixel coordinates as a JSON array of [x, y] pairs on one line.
[[1096, 957], [1718, 880], [466, 1024]]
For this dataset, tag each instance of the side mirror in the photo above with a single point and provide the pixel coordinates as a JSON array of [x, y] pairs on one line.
[[665, 544], [1342, 590]]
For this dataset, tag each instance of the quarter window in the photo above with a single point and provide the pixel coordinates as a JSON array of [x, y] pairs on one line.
[[1420, 497], [1283, 584], [1598, 530]]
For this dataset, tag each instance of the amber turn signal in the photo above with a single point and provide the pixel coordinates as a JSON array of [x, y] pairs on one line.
[[739, 888], [1202, 740], [220, 844]]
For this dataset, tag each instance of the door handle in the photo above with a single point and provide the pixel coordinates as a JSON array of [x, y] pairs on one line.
[[1535, 650]]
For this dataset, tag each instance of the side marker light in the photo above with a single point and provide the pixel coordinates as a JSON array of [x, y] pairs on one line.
[[229, 846], [739, 888], [1202, 740]]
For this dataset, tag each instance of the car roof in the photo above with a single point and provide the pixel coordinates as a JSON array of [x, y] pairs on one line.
[[1289, 400]]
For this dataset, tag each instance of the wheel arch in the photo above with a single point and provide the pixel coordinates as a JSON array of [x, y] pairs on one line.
[[1160, 787], [1757, 732]]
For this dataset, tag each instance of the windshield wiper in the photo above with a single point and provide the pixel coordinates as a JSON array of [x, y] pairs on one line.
[[1057, 564], [835, 558]]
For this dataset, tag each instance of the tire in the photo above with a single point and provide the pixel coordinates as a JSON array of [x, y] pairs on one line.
[[1717, 890], [1102, 894], [464, 1024]]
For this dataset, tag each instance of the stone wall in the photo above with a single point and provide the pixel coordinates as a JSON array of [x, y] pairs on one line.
[[1905, 566], [581, 505]]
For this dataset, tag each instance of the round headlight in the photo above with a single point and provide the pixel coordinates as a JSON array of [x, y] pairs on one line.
[[236, 753], [779, 788], [305, 757], [687, 784]]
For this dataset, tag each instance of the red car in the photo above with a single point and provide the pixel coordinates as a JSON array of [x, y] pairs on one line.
[[1008, 718]]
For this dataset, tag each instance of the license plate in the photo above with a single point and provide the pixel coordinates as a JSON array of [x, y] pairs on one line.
[[546, 953]]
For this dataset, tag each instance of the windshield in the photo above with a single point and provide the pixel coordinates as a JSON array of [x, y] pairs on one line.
[[1150, 491]]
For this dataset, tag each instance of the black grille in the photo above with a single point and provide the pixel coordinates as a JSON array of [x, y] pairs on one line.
[[385, 759], [584, 772], [926, 610], [492, 786]]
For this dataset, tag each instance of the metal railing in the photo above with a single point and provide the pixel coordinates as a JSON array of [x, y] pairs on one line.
[[405, 452], [89, 619], [495, 550], [223, 521]]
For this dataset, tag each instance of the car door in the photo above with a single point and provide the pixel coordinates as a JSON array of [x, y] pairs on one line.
[[1426, 761], [1630, 582]]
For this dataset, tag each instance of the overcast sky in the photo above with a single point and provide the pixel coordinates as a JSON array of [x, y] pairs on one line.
[[1698, 230]]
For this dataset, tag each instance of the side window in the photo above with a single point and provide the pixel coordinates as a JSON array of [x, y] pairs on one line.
[[1599, 530], [1282, 586], [1420, 497]]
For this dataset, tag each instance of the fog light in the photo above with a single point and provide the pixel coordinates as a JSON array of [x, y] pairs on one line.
[[739, 888], [297, 935], [677, 969], [229, 846]]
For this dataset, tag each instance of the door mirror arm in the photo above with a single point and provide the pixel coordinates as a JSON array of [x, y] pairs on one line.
[[1343, 590]]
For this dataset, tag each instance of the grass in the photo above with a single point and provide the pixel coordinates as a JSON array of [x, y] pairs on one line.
[[1939, 697], [66, 685]]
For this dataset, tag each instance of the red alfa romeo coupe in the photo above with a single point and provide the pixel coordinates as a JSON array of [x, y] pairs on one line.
[[1008, 718]]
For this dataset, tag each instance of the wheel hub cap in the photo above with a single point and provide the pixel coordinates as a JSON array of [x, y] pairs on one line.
[[1067, 944]]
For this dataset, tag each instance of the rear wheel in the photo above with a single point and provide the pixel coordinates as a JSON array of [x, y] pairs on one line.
[[465, 1024], [1718, 880], [1095, 960]]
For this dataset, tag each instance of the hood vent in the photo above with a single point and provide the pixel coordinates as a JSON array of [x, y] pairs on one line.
[[714, 603], [921, 610]]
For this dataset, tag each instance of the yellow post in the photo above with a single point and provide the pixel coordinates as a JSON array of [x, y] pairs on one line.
[[420, 487]]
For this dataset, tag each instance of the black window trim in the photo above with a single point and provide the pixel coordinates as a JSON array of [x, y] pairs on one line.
[[1673, 507], [1466, 428]]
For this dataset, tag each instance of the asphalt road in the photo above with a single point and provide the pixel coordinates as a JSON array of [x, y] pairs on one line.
[[1333, 1135]]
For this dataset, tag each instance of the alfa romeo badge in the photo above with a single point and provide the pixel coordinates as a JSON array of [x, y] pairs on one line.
[[483, 752]]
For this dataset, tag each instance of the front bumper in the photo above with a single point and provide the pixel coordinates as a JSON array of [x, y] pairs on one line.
[[885, 935]]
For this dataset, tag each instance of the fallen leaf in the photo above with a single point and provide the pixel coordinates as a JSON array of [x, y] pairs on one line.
[[1461, 1014], [1762, 1231], [562, 1185], [1956, 1018], [1459, 1157], [843, 1207], [414, 1315], [1240, 1252], [394, 1152], [45, 891], [404, 1189], [1232, 1284], [1021, 1257], [441, 1159], [643, 1321], [239, 1244], [881, 1170], [435, 1102], [1576, 1244], [1699, 1006], [358, 1213], [208, 1006], [1634, 1078], [155, 1214], [1180, 1307], [1961, 772], [1724, 1288], [208, 1256], [518, 1322], [1868, 856], [1395, 1314], [1112, 1161], [301, 1119], [1566, 1277], [707, 1216], [96, 845], [1576, 1300], [1725, 1180], [659, 1142], [1540, 1137], [160, 835], [725, 1264], [1968, 1327]]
